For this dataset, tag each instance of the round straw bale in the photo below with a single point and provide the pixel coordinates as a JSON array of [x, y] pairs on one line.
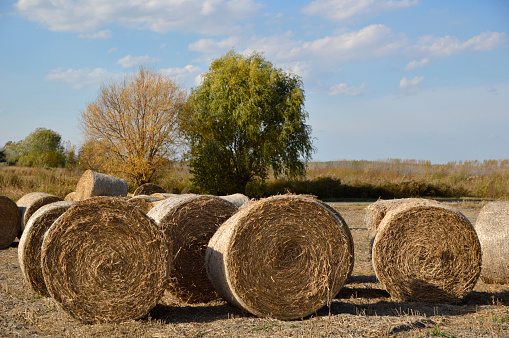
[[148, 189], [93, 183], [284, 257], [29, 249], [10, 221], [376, 211], [426, 253], [238, 199], [70, 196], [189, 221], [492, 227], [163, 196], [104, 260], [144, 202], [30, 203]]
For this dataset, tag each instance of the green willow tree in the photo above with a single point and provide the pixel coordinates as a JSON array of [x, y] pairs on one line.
[[42, 148], [246, 118]]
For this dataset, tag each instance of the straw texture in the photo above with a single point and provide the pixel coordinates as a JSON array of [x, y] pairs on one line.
[[70, 196], [492, 227], [283, 256], [238, 199], [144, 202], [10, 221], [104, 260], [189, 221], [29, 249], [30, 203], [148, 189], [93, 184], [376, 211], [426, 253]]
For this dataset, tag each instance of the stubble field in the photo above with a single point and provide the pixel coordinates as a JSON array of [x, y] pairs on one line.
[[361, 309]]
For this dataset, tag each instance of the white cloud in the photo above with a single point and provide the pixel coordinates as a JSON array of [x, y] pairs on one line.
[[211, 46], [404, 83], [101, 35], [77, 78], [130, 61], [449, 45], [111, 50], [189, 75], [338, 10], [417, 64], [205, 16], [344, 89]]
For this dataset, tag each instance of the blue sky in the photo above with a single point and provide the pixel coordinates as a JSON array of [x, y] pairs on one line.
[[408, 79]]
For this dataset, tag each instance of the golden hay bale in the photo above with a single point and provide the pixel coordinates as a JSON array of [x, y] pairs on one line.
[[492, 227], [29, 249], [163, 196], [238, 199], [104, 260], [283, 257], [144, 202], [93, 184], [70, 196], [426, 253], [10, 221], [189, 221], [30, 203], [376, 211], [148, 189]]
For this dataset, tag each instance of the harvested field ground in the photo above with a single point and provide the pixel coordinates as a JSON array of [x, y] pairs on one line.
[[362, 308]]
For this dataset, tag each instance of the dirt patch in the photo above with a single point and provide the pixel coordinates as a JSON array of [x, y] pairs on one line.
[[362, 308]]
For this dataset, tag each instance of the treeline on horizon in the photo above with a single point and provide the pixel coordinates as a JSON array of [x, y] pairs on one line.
[[342, 180]]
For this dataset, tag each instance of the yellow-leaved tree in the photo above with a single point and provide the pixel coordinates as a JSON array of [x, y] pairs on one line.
[[132, 127]]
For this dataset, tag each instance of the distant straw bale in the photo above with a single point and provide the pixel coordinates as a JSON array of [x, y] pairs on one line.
[[93, 184], [426, 253], [492, 227], [376, 211], [148, 189], [144, 202], [163, 196], [10, 221], [29, 249], [283, 257], [238, 199], [70, 196], [104, 260], [189, 221], [30, 203]]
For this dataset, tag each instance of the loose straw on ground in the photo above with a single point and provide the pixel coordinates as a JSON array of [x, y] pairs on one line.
[[426, 253], [93, 184], [104, 260], [492, 227], [283, 257], [29, 249], [10, 221], [189, 221], [30, 203]]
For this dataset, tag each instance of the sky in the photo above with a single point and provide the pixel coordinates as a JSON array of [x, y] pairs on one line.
[[404, 79]]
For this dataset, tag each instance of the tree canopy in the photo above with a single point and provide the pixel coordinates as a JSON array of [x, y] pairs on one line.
[[245, 119], [41, 148], [134, 124]]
